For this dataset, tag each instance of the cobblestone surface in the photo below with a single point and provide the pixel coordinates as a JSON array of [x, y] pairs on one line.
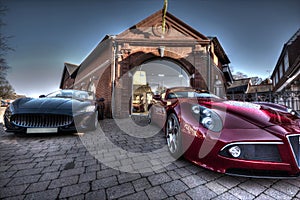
[[72, 166]]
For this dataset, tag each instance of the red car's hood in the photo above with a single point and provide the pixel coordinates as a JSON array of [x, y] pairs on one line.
[[259, 115]]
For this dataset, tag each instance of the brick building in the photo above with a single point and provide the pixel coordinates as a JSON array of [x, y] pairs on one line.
[[286, 74], [129, 68]]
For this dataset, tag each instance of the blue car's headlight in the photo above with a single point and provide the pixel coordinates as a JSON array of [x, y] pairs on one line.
[[208, 118], [8, 113], [86, 109]]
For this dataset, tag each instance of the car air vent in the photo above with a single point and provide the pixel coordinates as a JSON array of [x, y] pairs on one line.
[[294, 141], [41, 120]]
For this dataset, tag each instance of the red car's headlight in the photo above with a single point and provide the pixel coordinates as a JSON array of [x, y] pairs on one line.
[[208, 118]]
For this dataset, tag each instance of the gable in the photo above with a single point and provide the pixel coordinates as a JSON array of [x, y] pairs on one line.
[[151, 28], [71, 68]]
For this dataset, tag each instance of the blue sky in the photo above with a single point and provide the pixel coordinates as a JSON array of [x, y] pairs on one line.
[[47, 33]]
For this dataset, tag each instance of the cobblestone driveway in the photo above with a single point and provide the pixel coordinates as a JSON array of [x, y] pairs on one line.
[[67, 167]]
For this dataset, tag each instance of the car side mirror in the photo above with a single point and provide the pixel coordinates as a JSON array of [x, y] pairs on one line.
[[42, 96], [101, 99]]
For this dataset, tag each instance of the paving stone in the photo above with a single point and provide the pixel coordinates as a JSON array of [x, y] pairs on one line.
[[21, 161], [158, 179], [23, 166], [141, 184], [226, 196], [286, 188], [183, 172], [3, 182], [252, 187], [52, 168], [90, 162], [4, 168], [228, 181], [92, 168], [104, 183], [156, 193], [193, 181], [201, 192], [240, 193], [126, 177], [181, 163], [65, 181], [209, 175], [119, 191], [216, 187], [27, 172], [264, 197], [139, 195], [265, 182], [194, 169], [74, 190], [174, 187], [44, 163], [45, 195], [12, 190], [23, 180], [86, 177], [107, 172], [182, 196], [8, 174], [49, 176], [19, 197], [99, 195], [37, 187], [174, 175], [77, 197], [72, 172], [276, 194]]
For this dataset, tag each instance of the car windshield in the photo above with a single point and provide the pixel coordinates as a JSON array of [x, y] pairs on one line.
[[191, 94], [75, 94]]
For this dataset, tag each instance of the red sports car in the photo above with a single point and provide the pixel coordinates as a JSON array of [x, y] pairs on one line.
[[236, 138]]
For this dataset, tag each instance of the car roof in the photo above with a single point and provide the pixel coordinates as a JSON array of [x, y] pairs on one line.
[[188, 89]]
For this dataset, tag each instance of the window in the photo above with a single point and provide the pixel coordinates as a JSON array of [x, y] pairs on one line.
[[275, 79], [286, 62], [280, 71]]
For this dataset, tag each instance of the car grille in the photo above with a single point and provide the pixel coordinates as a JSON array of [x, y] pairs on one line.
[[295, 144], [41, 120]]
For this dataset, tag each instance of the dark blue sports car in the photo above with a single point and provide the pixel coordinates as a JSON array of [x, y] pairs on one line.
[[60, 111]]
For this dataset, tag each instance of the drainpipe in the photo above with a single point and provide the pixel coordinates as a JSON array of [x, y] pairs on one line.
[[208, 68], [113, 80]]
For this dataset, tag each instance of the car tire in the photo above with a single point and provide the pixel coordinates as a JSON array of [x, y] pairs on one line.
[[173, 136]]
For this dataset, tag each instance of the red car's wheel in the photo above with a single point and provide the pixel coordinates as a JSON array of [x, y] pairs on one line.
[[173, 135]]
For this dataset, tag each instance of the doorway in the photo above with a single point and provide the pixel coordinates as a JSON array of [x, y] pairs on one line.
[[153, 78]]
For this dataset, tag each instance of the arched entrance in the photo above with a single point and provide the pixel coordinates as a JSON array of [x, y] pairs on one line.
[[153, 77]]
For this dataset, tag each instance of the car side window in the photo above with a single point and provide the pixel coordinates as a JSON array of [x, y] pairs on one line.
[[172, 96]]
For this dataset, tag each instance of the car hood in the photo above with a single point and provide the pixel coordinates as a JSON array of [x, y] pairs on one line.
[[47, 105], [259, 115]]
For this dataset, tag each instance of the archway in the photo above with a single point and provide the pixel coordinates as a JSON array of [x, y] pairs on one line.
[[153, 77]]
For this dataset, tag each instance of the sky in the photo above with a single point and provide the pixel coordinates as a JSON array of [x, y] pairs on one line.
[[48, 33]]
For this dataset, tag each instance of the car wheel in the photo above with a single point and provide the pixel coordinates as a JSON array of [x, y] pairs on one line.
[[173, 136]]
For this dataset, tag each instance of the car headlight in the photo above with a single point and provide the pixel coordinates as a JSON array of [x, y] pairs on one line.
[[208, 118], [252, 151], [8, 113], [87, 109]]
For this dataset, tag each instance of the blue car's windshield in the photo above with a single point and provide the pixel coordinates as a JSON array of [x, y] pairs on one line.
[[76, 94]]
